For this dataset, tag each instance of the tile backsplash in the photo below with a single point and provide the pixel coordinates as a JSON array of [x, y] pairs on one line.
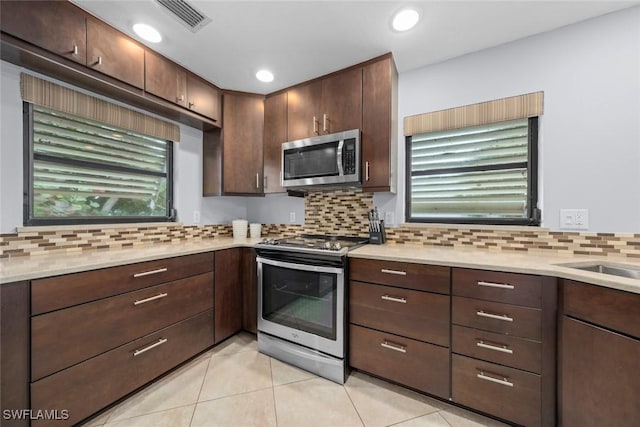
[[337, 212]]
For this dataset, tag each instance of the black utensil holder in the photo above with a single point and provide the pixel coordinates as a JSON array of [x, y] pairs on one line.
[[378, 237]]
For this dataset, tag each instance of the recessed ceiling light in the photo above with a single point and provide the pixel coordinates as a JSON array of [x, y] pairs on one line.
[[147, 32], [405, 20], [264, 76]]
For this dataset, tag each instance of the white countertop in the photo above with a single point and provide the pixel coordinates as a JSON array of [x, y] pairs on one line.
[[37, 266]]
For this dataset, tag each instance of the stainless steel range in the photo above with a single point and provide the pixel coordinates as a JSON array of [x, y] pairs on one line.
[[302, 301]]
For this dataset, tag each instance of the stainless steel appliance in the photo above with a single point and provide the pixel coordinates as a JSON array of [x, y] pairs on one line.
[[302, 301], [322, 160]]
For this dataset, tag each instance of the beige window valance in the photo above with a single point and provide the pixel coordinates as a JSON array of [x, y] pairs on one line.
[[499, 110], [51, 95]]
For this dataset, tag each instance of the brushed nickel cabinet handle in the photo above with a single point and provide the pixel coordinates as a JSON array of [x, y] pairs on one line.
[[191, 104], [324, 123], [74, 51], [395, 347], [149, 273], [502, 317], [257, 181], [154, 345], [180, 98], [496, 285], [98, 61], [153, 298], [503, 381], [503, 349], [394, 299], [366, 171], [315, 125], [397, 272]]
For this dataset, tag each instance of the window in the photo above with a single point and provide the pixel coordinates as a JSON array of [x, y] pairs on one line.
[[79, 170], [482, 174]]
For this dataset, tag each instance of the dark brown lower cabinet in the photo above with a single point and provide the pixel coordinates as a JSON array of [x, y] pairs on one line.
[[249, 290], [416, 364], [228, 293], [600, 376], [88, 387], [14, 350]]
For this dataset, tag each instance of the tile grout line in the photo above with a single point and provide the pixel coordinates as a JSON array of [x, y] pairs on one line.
[[353, 404], [273, 391], [206, 371]]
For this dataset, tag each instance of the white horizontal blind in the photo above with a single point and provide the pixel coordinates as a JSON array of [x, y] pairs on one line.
[[82, 168], [475, 172]]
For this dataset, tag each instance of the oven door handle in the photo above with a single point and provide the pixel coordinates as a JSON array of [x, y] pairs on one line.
[[302, 267]]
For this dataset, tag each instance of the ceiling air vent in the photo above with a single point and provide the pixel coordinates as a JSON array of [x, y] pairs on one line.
[[186, 14]]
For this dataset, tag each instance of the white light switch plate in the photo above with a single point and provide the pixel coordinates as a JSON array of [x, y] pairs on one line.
[[574, 219]]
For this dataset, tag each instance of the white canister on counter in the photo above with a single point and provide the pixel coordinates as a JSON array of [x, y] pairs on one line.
[[239, 228], [255, 230]]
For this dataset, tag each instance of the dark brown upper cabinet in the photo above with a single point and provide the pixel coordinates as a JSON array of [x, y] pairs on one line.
[[379, 125], [275, 133], [242, 143], [57, 26], [203, 98], [114, 54], [332, 104], [165, 79]]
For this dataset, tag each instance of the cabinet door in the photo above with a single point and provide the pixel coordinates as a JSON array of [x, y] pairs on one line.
[[303, 111], [378, 126], [600, 379], [242, 143], [249, 290], [341, 102], [203, 98], [228, 293], [114, 54], [275, 133], [165, 79], [58, 27]]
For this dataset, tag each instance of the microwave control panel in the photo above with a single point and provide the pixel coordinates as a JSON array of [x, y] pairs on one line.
[[349, 156]]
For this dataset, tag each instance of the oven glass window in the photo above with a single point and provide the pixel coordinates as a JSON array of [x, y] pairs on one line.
[[312, 161], [301, 300]]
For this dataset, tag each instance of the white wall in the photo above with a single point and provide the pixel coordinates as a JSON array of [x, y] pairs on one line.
[[589, 141], [187, 166]]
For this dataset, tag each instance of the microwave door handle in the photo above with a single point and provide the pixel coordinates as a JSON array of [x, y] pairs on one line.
[[339, 158]]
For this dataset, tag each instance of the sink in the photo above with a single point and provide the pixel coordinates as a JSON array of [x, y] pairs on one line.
[[614, 270]]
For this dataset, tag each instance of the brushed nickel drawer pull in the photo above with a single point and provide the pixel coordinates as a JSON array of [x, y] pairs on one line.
[[324, 123], [154, 345], [395, 347], [502, 317], [148, 273], [503, 349], [503, 381], [315, 125], [75, 50], [153, 298], [398, 272], [394, 299], [366, 171], [496, 285]]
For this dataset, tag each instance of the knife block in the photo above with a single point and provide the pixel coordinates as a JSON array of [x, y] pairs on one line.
[[378, 237]]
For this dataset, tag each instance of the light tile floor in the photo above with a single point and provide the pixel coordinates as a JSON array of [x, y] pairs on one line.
[[234, 385]]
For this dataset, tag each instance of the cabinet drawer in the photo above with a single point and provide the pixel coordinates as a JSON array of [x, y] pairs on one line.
[[412, 363], [419, 315], [498, 348], [64, 291], [92, 385], [65, 337], [497, 390], [610, 308], [512, 288], [507, 319], [402, 274]]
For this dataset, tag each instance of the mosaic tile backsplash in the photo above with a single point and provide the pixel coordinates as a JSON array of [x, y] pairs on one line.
[[338, 212]]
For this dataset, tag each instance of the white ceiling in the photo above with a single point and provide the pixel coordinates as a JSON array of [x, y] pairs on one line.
[[300, 40]]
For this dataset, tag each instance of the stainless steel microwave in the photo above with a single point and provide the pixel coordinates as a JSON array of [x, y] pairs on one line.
[[322, 160]]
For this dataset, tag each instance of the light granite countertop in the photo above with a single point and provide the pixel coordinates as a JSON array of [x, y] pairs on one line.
[[38, 266]]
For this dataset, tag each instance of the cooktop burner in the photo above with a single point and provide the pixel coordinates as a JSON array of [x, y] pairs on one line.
[[316, 242]]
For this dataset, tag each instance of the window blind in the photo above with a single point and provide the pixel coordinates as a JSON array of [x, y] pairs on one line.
[[474, 172], [83, 168]]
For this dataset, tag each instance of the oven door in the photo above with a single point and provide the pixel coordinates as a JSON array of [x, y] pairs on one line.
[[302, 303]]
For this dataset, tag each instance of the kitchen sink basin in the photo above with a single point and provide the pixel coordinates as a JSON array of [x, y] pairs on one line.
[[614, 270]]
